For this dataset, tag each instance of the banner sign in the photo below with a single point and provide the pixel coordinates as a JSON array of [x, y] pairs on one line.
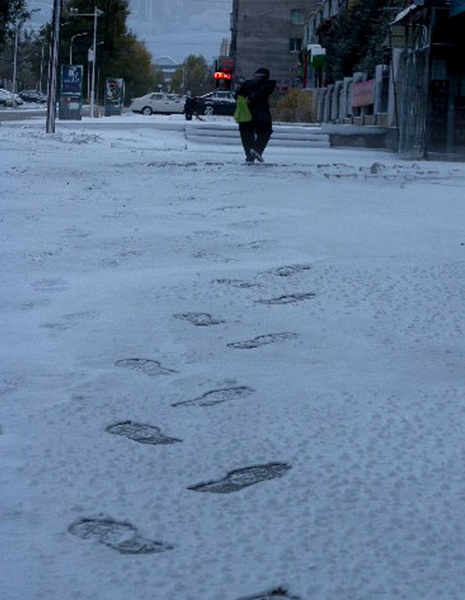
[[114, 91], [364, 93], [457, 7], [71, 79]]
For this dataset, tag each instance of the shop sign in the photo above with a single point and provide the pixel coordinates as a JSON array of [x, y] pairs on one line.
[[114, 91], [363, 93]]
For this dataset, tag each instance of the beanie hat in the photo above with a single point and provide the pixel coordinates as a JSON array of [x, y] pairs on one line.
[[262, 72]]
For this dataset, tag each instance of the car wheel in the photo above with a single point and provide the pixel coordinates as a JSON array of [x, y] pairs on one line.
[[146, 110], [209, 110]]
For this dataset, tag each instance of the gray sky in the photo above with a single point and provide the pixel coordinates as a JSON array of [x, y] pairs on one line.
[[175, 28]]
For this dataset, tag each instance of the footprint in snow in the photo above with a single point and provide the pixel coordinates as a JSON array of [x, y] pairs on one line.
[[289, 270], [242, 478], [263, 340], [139, 432], [144, 365], [198, 319], [217, 396], [288, 299], [237, 283], [276, 594], [118, 535]]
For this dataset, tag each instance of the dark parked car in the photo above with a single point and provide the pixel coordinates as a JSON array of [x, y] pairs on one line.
[[33, 96], [219, 102]]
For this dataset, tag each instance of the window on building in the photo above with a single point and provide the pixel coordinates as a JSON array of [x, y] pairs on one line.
[[295, 44], [297, 16]]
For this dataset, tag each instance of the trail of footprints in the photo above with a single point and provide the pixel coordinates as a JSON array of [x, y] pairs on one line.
[[125, 537]]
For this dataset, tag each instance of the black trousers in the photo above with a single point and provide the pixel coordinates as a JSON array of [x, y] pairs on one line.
[[256, 135]]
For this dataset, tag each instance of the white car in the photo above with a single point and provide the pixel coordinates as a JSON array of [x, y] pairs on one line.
[[9, 99], [158, 102]]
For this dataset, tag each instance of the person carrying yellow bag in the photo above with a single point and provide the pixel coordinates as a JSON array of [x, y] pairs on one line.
[[255, 129], [242, 113]]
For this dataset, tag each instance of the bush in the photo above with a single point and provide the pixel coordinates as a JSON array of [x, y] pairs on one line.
[[295, 106]]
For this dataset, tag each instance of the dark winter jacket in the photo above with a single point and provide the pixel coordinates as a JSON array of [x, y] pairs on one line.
[[258, 90]]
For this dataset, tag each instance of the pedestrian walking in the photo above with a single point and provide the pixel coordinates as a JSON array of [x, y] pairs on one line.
[[255, 133], [189, 106]]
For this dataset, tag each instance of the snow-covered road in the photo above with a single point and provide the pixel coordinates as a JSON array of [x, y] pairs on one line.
[[219, 380]]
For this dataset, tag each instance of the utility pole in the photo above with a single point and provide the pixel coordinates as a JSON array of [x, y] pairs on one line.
[[53, 68]]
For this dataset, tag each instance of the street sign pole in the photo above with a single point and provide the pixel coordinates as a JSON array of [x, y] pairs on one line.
[[96, 14]]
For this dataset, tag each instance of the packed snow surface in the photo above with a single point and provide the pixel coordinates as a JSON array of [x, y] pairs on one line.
[[223, 381]]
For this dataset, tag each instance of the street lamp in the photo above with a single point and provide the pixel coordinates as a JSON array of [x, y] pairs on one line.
[[96, 14], [71, 45]]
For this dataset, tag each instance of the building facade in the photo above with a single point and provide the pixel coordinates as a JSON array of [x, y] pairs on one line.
[[429, 62], [322, 13], [269, 34]]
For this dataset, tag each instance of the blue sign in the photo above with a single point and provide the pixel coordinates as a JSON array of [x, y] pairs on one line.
[[71, 79], [457, 7]]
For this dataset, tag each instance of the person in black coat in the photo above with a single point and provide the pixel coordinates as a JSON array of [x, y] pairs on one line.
[[255, 134], [189, 107]]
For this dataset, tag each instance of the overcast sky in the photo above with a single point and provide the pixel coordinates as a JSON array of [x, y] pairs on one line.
[[175, 28]]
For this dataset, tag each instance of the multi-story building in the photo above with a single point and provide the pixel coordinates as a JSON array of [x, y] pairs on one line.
[[322, 13], [319, 19], [429, 73], [269, 34]]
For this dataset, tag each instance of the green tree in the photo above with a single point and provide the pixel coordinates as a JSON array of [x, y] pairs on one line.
[[193, 76], [131, 61], [354, 37], [13, 16], [11, 11], [119, 52]]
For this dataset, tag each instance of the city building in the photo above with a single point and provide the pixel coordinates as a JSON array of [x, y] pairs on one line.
[[168, 66], [429, 78], [269, 34]]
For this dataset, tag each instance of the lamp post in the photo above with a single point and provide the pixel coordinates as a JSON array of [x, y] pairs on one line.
[[71, 45], [96, 14]]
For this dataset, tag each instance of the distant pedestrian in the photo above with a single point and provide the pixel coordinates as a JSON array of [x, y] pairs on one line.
[[189, 106], [255, 134]]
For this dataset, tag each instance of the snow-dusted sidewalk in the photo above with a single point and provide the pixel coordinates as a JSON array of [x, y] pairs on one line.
[[219, 380]]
